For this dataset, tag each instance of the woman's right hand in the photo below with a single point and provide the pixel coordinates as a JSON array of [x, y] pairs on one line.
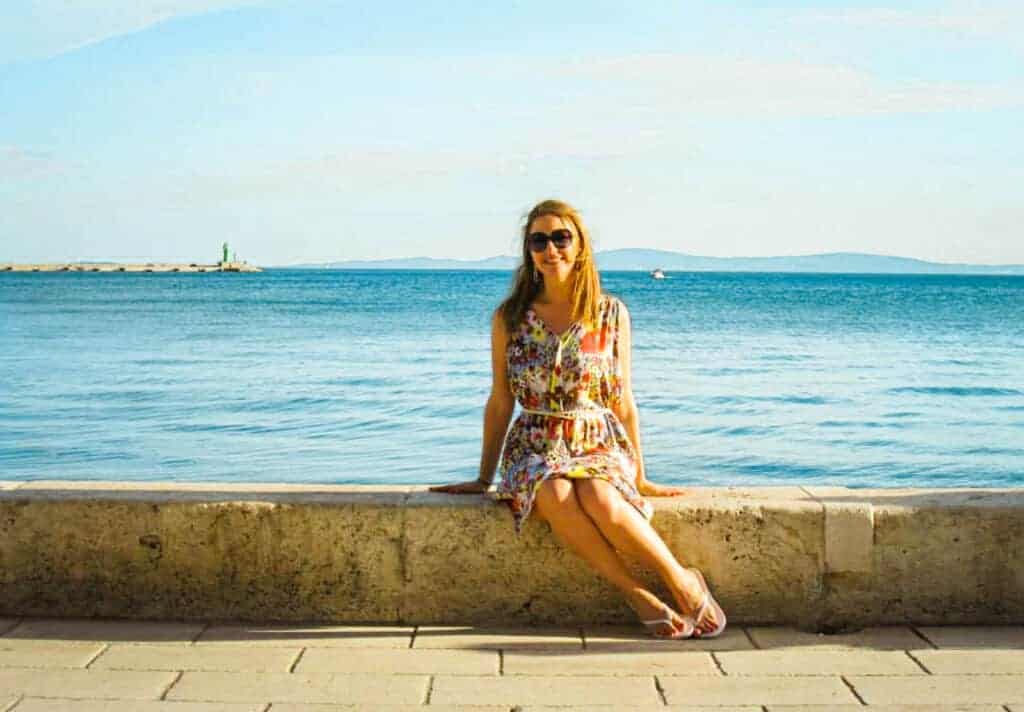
[[474, 487]]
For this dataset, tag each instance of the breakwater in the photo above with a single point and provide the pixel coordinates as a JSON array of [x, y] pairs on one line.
[[819, 558], [115, 267]]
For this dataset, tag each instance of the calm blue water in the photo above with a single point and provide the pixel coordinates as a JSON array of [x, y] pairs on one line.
[[381, 377]]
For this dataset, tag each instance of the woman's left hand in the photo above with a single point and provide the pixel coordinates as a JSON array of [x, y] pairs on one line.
[[650, 489]]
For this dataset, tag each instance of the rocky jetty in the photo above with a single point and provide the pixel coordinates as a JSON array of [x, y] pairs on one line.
[[115, 267]]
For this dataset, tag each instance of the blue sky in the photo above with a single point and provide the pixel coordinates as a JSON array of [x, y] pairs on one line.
[[309, 131]]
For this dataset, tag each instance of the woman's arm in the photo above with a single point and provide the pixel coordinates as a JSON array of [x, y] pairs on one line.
[[627, 412], [497, 414], [500, 404]]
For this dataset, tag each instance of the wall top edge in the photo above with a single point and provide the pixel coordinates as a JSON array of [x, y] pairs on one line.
[[728, 497]]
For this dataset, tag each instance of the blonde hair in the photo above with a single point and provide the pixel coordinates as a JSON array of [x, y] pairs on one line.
[[586, 287]]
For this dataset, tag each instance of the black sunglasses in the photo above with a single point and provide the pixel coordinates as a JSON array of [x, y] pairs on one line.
[[538, 241]]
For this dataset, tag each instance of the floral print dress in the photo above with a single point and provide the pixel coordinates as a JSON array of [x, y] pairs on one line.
[[575, 374]]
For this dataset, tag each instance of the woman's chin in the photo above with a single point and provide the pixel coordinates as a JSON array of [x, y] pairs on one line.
[[557, 275]]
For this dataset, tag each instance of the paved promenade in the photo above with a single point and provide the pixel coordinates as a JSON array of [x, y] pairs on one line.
[[120, 666]]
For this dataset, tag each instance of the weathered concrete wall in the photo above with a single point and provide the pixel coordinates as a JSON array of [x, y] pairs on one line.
[[820, 558]]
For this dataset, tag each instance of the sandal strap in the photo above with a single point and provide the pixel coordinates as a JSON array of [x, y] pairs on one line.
[[666, 619], [704, 606], [658, 622]]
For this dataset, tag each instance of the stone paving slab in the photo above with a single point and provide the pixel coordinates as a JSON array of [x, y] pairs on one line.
[[711, 691], [402, 662], [207, 658], [39, 704], [46, 655], [544, 690], [288, 707], [641, 662], [789, 661], [103, 630], [975, 636], [971, 662], [111, 684], [307, 636], [886, 708], [877, 638], [291, 687], [940, 689], [497, 638], [654, 708], [611, 638]]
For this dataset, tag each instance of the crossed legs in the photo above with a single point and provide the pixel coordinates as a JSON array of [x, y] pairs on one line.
[[591, 517]]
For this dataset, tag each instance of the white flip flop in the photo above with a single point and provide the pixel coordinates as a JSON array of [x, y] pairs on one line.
[[706, 601], [686, 632]]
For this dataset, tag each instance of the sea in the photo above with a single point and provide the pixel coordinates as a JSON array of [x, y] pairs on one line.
[[380, 377]]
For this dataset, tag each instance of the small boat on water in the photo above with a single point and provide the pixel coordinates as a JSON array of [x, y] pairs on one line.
[[657, 274]]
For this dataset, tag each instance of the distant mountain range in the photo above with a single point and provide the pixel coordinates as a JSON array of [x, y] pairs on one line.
[[646, 260]]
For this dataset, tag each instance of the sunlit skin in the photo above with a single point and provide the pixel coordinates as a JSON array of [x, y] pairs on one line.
[[589, 515]]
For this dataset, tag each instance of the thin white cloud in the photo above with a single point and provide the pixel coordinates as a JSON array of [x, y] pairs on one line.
[[693, 85], [975, 19], [17, 163], [352, 170], [43, 28]]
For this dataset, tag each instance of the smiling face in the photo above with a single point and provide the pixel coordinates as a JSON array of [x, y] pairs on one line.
[[556, 265]]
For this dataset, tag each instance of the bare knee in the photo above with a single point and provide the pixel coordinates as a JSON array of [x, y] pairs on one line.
[[599, 499], [555, 499]]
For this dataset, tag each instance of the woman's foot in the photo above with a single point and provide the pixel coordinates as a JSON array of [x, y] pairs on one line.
[[649, 607], [689, 594]]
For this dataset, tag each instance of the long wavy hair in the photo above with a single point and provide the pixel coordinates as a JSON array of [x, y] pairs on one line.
[[527, 284]]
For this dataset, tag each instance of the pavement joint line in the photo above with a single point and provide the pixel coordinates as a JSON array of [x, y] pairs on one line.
[[746, 632], [853, 690], [163, 695], [412, 638], [501, 662], [206, 626], [923, 637], [298, 657], [718, 663], [105, 648], [583, 639], [430, 690], [17, 701], [919, 663], [660, 690]]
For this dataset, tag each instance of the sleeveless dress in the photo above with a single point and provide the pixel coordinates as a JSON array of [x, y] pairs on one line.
[[577, 375]]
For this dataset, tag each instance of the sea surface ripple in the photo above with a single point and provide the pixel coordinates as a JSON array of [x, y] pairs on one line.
[[331, 376]]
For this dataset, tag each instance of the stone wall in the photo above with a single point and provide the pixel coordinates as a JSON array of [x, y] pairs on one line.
[[819, 558]]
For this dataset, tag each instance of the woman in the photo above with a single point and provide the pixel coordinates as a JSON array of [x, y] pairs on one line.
[[561, 348]]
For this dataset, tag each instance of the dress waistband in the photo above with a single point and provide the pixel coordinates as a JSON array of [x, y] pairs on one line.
[[579, 413]]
